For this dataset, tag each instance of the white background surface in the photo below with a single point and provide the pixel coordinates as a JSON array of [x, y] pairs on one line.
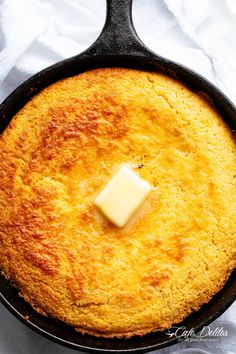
[[36, 33]]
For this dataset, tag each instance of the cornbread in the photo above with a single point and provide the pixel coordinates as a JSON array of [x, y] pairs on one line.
[[67, 260]]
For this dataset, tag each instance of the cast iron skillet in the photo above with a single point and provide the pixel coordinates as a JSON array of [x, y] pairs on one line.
[[118, 45]]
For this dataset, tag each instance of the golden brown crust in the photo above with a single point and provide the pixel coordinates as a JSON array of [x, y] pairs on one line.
[[66, 259]]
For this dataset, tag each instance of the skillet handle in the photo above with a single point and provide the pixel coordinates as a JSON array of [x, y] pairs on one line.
[[118, 36]]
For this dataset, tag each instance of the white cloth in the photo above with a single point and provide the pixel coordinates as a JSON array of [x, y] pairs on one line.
[[37, 33]]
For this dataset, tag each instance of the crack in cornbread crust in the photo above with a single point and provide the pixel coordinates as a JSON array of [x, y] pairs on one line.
[[57, 154]]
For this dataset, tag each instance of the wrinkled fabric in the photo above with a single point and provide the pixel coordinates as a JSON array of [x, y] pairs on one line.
[[212, 26], [37, 33]]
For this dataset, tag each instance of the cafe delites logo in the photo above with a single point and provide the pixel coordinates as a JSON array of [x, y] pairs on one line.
[[190, 335]]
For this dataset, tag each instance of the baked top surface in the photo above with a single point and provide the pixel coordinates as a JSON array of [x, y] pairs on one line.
[[59, 152]]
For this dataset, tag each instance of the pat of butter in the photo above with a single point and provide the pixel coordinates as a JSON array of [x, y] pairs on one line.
[[122, 196]]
